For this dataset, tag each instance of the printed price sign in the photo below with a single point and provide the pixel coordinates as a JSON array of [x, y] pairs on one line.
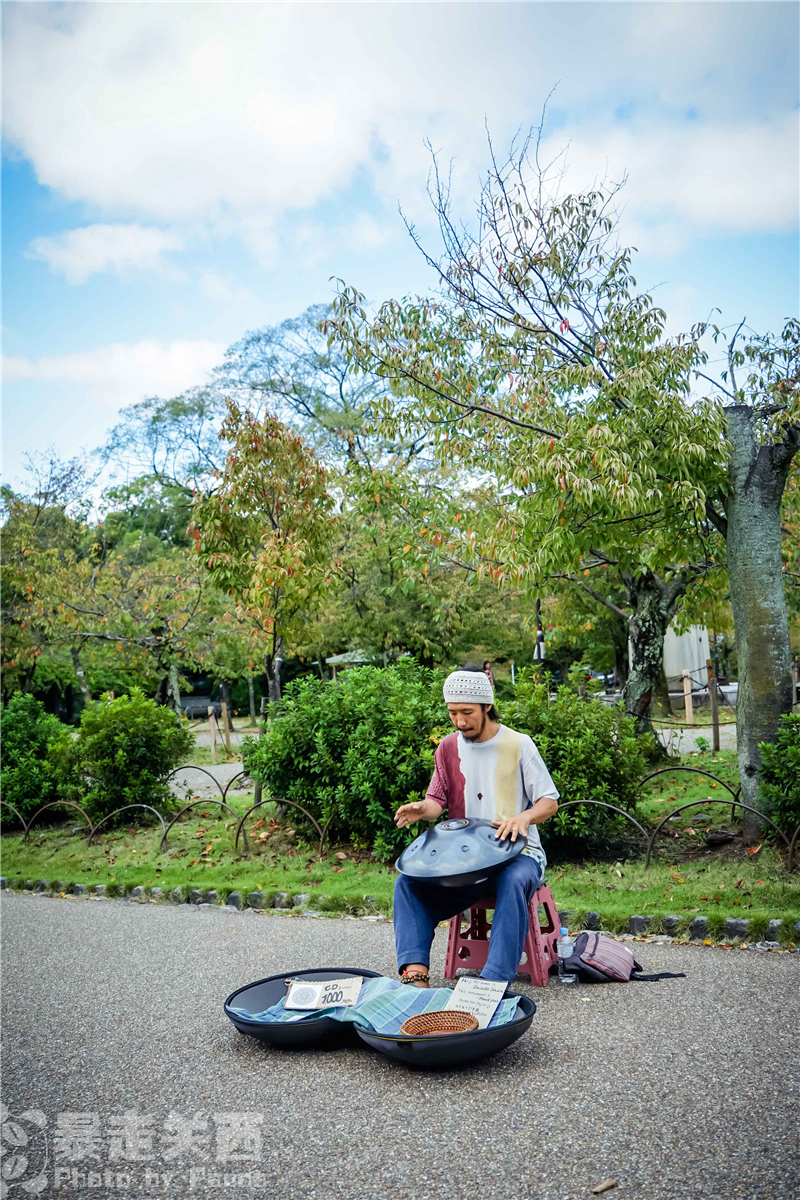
[[479, 997], [323, 993]]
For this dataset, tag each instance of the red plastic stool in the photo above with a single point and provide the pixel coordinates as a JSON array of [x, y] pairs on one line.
[[471, 948]]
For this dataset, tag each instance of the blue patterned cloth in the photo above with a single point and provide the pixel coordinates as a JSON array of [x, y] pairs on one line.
[[383, 1005]]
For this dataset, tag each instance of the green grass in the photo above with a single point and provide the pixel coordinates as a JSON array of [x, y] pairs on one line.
[[686, 877], [201, 755], [758, 888], [200, 854], [702, 719], [668, 791]]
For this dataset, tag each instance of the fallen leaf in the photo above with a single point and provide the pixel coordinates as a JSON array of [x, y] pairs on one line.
[[707, 942], [208, 847], [340, 854], [605, 1186], [755, 850]]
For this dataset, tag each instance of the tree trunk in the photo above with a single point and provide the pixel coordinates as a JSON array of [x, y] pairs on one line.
[[758, 475], [653, 603], [226, 696], [251, 692], [82, 683], [619, 634], [173, 699], [272, 666]]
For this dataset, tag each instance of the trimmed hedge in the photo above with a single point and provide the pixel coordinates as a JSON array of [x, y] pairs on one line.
[[354, 751], [28, 779], [124, 750], [780, 787], [591, 750]]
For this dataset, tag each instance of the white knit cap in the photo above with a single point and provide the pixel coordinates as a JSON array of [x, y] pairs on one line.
[[468, 687]]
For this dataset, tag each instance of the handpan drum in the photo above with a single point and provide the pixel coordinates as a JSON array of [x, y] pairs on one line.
[[459, 853]]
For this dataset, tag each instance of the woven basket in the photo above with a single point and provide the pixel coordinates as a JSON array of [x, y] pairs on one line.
[[431, 1024]]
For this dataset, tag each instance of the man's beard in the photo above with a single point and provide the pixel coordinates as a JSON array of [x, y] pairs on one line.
[[474, 737]]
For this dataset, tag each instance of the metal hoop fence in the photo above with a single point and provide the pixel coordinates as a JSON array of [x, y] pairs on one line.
[[323, 830]]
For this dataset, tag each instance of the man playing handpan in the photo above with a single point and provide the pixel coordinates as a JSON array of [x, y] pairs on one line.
[[483, 770]]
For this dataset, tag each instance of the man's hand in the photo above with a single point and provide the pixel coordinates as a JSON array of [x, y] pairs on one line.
[[513, 827], [422, 810]]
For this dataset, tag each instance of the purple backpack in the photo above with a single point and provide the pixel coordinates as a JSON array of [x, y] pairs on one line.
[[599, 959]]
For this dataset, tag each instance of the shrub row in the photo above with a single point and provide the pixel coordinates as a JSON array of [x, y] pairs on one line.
[[354, 751], [351, 753], [122, 753]]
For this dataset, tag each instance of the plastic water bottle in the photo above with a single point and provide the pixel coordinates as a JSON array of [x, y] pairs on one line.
[[565, 946]]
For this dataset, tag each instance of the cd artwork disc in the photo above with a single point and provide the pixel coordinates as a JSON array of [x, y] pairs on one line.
[[304, 995], [459, 853]]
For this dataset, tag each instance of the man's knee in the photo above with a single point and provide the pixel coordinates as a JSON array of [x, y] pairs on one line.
[[518, 880], [401, 887], [406, 895]]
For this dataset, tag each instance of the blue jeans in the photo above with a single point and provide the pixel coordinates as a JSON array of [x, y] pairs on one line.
[[419, 907]]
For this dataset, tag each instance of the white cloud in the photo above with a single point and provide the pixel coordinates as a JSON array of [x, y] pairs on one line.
[[80, 253], [123, 373], [694, 179], [242, 118], [218, 289], [365, 234]]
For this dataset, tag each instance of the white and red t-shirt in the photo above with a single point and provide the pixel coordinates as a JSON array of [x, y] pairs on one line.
[[494, 779]]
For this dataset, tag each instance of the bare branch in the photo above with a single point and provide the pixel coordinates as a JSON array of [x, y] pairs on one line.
[[609, 604]]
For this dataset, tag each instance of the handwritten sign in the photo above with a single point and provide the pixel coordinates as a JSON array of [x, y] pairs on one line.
[[307, 994], [479, 997]]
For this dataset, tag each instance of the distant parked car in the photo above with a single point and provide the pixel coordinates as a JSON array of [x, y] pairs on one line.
[[196, 707], [609, 678]]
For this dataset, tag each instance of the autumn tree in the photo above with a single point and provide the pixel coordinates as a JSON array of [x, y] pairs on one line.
[[293, 370], [576, 620], [171, 445], [48, 515], [114, 594], [263, 531], [542, 370], [759, 395]]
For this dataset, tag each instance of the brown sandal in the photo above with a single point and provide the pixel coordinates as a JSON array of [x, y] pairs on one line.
[[418, 978]]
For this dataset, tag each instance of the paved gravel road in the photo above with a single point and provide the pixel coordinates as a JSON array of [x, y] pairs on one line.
[[199, 781], [684, 1088], [683, 741]]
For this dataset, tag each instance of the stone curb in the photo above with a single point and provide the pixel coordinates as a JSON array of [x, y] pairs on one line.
[[253, 902], [736, 928]]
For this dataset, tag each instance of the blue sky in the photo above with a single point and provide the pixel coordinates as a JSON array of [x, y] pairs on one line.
[[176, 174]]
